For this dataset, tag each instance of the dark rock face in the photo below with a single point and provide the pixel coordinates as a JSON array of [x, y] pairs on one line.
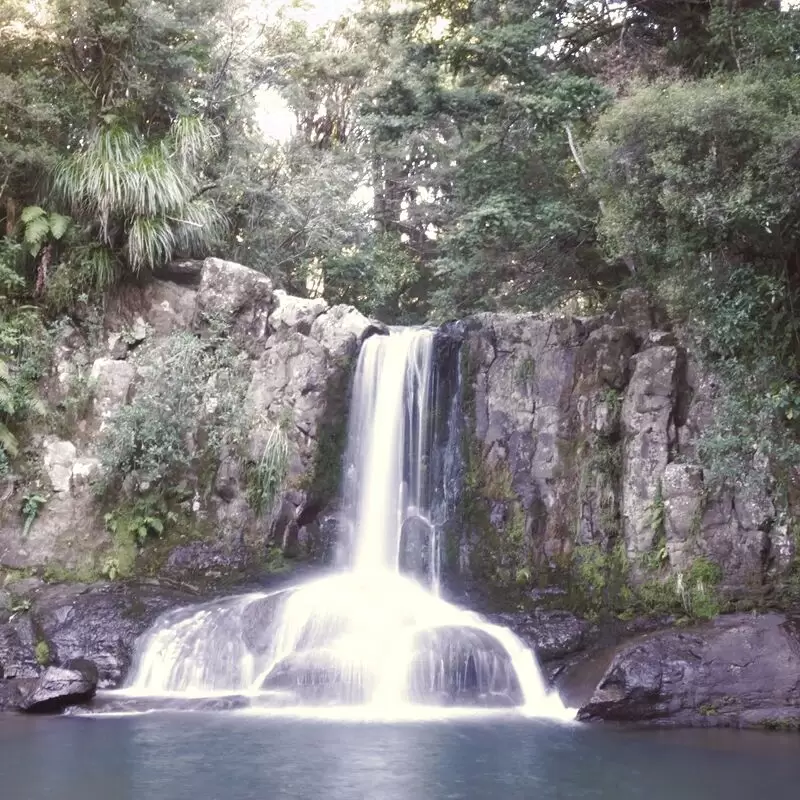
[[415, 548], [206, 559], [17, 650], [552, 634], [100, 623], [739, 671], [575, 429], [59, 687]]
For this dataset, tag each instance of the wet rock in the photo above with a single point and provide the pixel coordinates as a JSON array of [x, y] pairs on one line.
[[258, 618], [415, 548], [207, 557], [462, 666], [100, 623], [58, 687], [10, 696], [17, 649], [740, 670], [552, 634]]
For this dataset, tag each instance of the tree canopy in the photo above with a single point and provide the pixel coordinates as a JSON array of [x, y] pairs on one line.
[[445, 157]]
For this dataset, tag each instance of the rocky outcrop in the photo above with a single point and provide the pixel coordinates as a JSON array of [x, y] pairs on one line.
[[581, 461], [59, 687], [297, 356], [739, 671], [64, 628], [100, 622]]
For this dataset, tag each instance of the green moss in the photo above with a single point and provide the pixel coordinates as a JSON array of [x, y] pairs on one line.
[[42, 653], [325, 476], [12, 575], [526, 370], [86, 573], [782, 725], [599, 579]]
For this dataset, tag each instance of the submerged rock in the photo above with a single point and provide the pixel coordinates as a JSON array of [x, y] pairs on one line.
[[738, 671], [59, 687]]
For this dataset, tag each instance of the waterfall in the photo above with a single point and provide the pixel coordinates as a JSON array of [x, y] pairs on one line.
[[376, 637]]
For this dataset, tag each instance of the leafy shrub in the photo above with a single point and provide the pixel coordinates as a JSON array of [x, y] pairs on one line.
[[188, 406], [697, 183], [25, 352]]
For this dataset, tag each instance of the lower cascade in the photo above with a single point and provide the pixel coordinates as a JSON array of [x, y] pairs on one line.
[[375, 638]]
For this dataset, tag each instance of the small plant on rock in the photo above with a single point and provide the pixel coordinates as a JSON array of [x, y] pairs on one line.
[[266, 477], [31, 506], [42, 653]]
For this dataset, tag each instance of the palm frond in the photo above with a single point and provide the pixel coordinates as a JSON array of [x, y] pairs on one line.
[[192, 139], [151, 242], [199, 224]]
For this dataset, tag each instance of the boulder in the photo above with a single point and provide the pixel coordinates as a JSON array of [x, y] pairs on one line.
[[738, 671], [59, 460], [111, 386], [552, 634], [59, 687], [236, 297], [342, 329], [297, 313]]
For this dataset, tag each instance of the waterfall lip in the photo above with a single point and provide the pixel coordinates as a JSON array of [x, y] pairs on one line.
[[352, 644]]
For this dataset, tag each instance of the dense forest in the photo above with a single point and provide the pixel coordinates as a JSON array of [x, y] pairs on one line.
[[448, 157]]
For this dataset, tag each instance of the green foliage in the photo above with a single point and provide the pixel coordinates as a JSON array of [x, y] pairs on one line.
[[132, 525], [266, 478], [111, 568], [695, 180], [144, 518], [600, 578], [38, 227], [382, 278], [25, 351], [186, 410], [275, 560], [601, 584], [42, 652], [142, 195], [31, 506]]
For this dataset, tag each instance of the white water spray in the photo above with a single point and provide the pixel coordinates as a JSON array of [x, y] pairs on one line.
[[375, 637]]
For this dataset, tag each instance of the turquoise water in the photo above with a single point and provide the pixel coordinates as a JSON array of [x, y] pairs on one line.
[[226, 756]]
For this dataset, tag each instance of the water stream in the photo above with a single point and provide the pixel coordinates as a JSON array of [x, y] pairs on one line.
[[375, 639]]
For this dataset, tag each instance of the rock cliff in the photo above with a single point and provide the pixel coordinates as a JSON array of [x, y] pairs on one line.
[[582, 478], [292, 359]]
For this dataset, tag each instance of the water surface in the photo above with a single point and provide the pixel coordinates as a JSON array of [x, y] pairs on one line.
[[228, 756]]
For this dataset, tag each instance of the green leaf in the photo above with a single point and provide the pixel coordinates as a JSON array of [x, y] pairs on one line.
[[58, 225], [30, 213], [35, 233], [156, 524]]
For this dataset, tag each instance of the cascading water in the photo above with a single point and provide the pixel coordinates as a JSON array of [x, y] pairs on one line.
[[376, 637]]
